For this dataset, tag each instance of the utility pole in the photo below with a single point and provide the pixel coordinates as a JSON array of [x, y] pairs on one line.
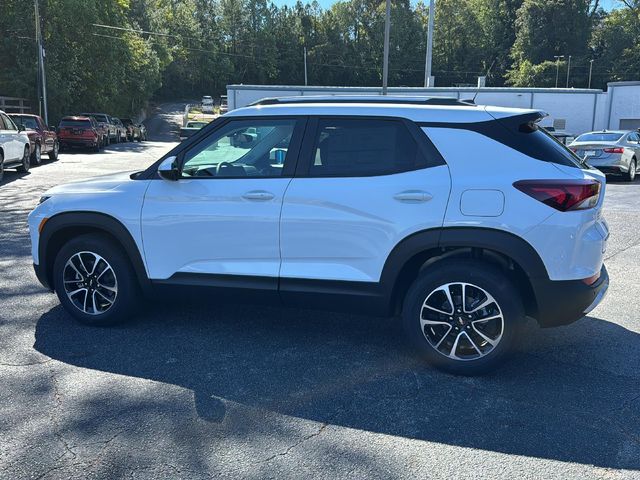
[[42, 95], [557, 57], [590, 70], [568, 70], [305, 66], [427, 64], [385, 61]]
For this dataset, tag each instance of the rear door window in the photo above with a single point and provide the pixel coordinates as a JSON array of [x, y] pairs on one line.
[[363, 147]]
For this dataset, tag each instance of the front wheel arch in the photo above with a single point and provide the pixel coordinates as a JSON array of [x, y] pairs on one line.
[[60, 228]]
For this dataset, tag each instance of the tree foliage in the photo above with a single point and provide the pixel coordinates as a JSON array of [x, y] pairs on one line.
[[115, 55]]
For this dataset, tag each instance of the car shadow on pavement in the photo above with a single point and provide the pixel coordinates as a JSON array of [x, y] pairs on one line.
[[12, 176], [556, 399]]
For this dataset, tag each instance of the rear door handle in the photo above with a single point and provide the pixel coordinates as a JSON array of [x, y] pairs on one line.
[[413, 196], [260, 195]]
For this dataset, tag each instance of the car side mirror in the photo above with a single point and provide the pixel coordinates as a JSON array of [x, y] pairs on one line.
[[21, 128], [168, 169]]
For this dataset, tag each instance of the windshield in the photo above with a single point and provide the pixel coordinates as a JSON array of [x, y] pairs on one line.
[[98, 117], [599, 137], [28, 122]]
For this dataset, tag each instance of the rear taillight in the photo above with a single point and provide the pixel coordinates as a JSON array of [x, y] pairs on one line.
[[613, 150], [562, 195]]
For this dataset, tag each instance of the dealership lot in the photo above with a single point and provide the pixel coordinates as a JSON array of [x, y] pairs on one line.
[[193, 389]]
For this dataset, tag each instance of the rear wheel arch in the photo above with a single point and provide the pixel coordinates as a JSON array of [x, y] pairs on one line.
[[64, 226], [516, 258]]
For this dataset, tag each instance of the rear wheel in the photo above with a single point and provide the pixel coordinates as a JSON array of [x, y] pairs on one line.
[[463, 316], [94, 280], [36, 155], [631, 174], [53, 154], [26, 161]]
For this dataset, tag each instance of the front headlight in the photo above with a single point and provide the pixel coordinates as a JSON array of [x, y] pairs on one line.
[[44, 198]]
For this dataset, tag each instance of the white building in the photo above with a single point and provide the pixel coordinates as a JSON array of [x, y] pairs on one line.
[[575, 110]]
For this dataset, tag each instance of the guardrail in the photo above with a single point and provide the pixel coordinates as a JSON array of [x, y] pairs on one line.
[[14, 105]]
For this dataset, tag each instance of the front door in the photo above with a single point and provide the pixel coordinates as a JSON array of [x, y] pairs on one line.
[[221, 218]]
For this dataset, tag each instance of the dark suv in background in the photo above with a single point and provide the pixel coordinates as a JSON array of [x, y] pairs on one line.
[[134, 131]]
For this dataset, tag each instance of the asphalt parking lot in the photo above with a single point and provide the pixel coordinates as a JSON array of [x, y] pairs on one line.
[[192, 389]]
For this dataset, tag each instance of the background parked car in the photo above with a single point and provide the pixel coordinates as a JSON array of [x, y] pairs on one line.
[[207, 104], [104, 123], [79, 131], [43, 138], [190, 128], [133, 129], [143, 132], [122, 130], [613, 152], [15, 149]]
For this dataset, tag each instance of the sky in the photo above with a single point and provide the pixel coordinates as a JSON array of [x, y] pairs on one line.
[[606, 4]]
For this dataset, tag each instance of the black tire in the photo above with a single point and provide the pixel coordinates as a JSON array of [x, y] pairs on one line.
[[53, 154], [128, 292], [630, 176], [477, 273], [36, 155], [26, 161], [1, 166]]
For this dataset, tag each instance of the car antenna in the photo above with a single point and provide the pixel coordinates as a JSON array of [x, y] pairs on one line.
[[473, 100]]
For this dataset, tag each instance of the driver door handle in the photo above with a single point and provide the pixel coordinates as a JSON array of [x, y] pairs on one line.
[[413, 196], [258, 195]]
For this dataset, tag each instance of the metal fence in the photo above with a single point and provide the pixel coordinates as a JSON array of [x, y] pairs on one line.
[[14, 105]]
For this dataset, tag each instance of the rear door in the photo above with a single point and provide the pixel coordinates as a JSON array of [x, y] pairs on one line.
[[363, 184]]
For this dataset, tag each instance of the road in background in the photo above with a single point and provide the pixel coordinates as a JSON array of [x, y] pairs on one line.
[[195, 389]]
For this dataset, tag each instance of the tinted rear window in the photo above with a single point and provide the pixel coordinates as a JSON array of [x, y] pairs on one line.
[[599, 137], [75, 123]]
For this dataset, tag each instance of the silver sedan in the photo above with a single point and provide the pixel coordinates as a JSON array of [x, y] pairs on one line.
[[611, 151]]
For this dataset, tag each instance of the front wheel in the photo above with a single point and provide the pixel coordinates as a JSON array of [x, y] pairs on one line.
[[26, 161], [94, 280], [463, 316]]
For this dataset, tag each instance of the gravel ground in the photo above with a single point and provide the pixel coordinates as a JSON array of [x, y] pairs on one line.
[[199, 390]]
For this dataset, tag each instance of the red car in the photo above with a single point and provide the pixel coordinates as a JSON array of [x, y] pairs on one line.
[[75, 131], [43, 139]]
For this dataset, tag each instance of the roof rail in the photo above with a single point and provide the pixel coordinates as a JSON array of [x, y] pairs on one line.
[[443, 101]]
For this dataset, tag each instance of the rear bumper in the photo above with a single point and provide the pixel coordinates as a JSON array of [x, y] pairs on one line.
[[76, 142], [564, 302]]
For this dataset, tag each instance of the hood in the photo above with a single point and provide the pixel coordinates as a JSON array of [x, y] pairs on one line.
[[103, 183]]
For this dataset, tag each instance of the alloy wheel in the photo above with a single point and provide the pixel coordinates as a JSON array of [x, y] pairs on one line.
[[461, 321], [90, 283]]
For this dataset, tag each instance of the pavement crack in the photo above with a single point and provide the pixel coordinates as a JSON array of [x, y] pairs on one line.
[[57, 431], [298, 443]]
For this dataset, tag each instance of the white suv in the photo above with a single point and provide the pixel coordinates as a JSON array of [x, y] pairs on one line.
[[15, 148], [460, 219]]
